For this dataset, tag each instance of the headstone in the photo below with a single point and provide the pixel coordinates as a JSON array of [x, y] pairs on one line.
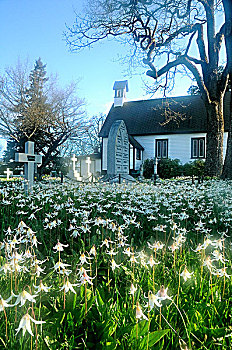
[[30, 160], [118, 153], [8, 172], [74, 159], [88, 162], [73, 174]]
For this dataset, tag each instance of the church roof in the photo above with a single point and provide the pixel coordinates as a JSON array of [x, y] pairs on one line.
[[120, 85], [146, 117]]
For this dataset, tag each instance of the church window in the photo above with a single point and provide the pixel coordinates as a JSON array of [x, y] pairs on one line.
[[118, 93], [138, 154], [198, 147], [162, 149]]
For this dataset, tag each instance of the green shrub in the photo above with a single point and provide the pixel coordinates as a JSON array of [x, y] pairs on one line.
[[195, 168], [168, 168], [148, 168]]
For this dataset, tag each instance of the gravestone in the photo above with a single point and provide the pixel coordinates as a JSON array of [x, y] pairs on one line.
[[30, 160], [118, 154], [8, 172], [88, 162], [73, 173]]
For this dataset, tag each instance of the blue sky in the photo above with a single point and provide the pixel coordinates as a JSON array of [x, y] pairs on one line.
[[34, 28]]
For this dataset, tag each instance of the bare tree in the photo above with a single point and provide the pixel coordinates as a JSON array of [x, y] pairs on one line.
[[32, 107], [170, 34], [86, 141]]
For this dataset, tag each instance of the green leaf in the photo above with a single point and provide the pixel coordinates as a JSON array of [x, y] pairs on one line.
[[154, 337]]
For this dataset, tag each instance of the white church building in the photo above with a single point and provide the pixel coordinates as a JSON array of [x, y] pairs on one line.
[[150, 135]]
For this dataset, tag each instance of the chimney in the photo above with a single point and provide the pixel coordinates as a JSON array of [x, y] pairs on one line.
[[120, 87]]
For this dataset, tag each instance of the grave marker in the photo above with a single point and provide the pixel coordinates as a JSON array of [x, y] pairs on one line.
[[74, 159], [30, 160], [8, 172], [88, 162], [118, 153]]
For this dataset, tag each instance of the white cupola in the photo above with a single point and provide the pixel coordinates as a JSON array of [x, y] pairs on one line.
[[120, 87]]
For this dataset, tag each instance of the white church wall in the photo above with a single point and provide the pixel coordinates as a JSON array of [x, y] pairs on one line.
[[104, 153], [148, 144], [179, 145]]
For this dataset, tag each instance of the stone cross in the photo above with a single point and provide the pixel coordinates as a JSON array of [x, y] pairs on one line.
[[74, 159], [8, 172], [30, 159], [88, 162]]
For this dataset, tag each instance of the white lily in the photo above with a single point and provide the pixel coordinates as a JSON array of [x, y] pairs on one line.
[[25, 324], [186, 274], [68, 286]]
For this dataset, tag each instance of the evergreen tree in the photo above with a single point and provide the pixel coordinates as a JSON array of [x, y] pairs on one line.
[[33, 109]]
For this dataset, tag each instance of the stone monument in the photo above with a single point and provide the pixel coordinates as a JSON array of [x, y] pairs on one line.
[[8, 172], [30, 160], [118, 154], [73, 173]]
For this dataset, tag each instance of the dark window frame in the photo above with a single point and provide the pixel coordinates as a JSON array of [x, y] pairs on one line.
[[157, 141], [138, 154], [197, 155]]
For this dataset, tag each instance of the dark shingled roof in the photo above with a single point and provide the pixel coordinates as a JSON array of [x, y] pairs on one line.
[[145, 117]]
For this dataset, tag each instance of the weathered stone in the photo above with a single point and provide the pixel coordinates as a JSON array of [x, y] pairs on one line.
[[118, 154]]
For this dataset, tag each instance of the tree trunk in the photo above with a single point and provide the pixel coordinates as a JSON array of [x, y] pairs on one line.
[[227, 169], [214, 138]]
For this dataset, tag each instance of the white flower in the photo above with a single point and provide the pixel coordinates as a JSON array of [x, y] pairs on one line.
[[41, 288], [221, 272], [139, 313], [152, 262], [162, 293], [35, 241], [6, 267], [111, 252], [83, 259], [186, 274], [85, 278], [132, 289], [156, 245], [218, 256], [59, 265], [127, 251], [133, 260], [23, 296], [22, 225], [114, 265], [206, 243], [4, 303], [59, 247], [68, 286], [174, 247], [208, 263], [218, 243], [93, 251], [25, 324], [153, 300]]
